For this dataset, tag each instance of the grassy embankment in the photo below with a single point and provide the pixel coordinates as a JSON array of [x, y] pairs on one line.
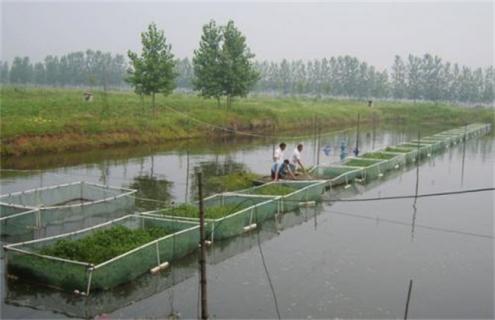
[[36, 121]]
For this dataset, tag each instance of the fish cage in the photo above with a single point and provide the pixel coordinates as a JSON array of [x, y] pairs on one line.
[[233, 213], [23, 212], [422, 149], [370, 168], [434, 145], [336, 174], [391, 160], [291, 193], [27, 261]]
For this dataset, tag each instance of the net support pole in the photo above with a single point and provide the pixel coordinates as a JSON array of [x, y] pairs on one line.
[[408, 299], [202, 254]]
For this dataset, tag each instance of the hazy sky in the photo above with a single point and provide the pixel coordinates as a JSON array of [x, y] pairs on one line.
[[457, 31]]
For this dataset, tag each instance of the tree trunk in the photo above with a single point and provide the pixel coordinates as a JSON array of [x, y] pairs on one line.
[[218, 102]]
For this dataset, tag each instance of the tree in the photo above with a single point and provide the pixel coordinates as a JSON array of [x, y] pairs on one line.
[[208, 73], [239, 74], [154, 70], [413, 77], [39, 73], [21, 71], [399, 86], [4, 72], [223, 63]]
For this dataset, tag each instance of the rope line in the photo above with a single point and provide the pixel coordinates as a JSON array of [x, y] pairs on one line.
[[250, 133], [423, 226], [424, 195]]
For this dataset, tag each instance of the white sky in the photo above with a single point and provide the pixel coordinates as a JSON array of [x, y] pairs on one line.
[[374, 32]]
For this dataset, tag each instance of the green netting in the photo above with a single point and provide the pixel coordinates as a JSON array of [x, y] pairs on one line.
[[336, 174], [308, 190], [15, 220], [60, 204], [371, 168], [391, 160], [24, 260], [434, 145], [423, 151], [245, 210]]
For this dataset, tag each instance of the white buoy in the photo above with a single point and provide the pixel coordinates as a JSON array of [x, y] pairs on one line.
[[307, 204], [250, 227], [159, 267]]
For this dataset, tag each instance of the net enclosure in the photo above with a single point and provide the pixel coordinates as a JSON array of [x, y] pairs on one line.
[[374, 164], [227, 214], [23, 212], [26, 259], [369, 168], [336, 174], [290, 193]]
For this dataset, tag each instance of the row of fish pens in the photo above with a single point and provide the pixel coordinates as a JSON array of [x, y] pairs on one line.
[[375, 164], [250, 207]]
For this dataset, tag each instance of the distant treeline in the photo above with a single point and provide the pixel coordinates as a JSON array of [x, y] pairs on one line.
[[424, 77]]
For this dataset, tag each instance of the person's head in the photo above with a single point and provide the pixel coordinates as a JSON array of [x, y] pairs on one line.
[[286, 161], [300, 147], [282, 145]]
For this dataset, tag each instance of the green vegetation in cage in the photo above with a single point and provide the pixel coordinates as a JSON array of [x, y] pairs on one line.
[[399, 150], [275, 190], [378, 155], [231, 182], [214, 212], [358, 163], [103, 245]]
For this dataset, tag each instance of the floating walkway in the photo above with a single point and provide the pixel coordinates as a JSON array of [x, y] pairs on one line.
[[227, 215]]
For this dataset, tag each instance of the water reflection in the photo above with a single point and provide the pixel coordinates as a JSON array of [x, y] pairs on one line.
[[151, 188]]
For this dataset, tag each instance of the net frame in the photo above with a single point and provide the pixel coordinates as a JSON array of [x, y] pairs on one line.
[[233, 224], [44, 213], [22, 258], [308, 190]]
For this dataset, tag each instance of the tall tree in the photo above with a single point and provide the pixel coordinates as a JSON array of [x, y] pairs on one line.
[[39, 73], [154, 70], [399, 86], [413, 77], [21, 71], [4, 72], [238, 73], [208, 73]]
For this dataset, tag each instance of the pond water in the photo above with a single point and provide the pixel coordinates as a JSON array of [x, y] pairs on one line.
[[339, 259]]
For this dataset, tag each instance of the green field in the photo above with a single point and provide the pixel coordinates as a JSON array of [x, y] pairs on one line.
[[39, 120]]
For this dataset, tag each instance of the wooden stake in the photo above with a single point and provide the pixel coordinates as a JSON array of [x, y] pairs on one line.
[[202, 245]]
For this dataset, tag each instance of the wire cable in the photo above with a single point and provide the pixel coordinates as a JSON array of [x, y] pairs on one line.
[[424, 195], [249, 133], [422, 226]]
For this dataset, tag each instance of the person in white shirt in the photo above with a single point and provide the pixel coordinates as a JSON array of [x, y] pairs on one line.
[[278, 158], [295, 159]]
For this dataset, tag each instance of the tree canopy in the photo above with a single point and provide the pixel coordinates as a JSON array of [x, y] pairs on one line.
[[154, 70], [223, 63]]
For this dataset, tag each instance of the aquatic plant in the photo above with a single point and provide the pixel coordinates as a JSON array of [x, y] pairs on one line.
[[399, 150], [230, 182], [274, 190], [378, 155], [359, 163], [103, 244], [213, 212]]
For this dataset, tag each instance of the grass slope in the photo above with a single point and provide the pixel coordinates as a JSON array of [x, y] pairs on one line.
[[38, 120]]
